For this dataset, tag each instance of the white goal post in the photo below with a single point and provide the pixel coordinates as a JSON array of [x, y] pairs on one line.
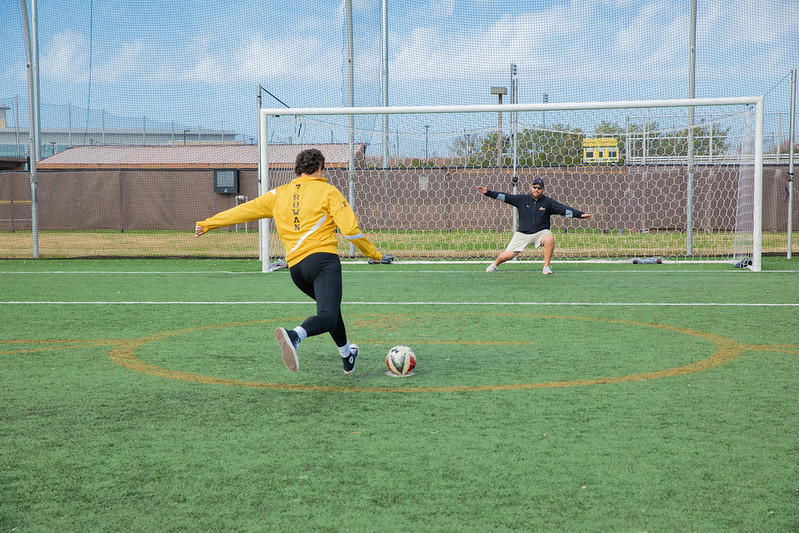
[[651, 191]]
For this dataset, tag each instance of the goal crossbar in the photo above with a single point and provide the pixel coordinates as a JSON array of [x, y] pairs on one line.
[[508, 108]]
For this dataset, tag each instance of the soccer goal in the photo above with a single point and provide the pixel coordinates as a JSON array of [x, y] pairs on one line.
[[678, 179]]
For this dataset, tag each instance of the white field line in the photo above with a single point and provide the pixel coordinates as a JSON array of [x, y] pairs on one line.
[[644, 269], [306, 302], [395, 268]]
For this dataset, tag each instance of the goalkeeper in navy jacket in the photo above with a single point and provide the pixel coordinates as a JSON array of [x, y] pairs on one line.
[[535, 211], [307, 212]]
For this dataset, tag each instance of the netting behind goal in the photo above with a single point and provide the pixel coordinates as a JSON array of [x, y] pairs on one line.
[[659, 179]]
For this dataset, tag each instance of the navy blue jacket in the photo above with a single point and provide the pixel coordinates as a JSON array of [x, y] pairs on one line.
[[534, 214]]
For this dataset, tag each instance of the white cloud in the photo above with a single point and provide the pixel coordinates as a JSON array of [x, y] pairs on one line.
[[297, 57], [571, 42], [128, 62], [442, 8], [66, 59], [532, 39]]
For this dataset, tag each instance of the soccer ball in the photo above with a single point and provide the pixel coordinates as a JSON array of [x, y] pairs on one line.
[[400, 360]]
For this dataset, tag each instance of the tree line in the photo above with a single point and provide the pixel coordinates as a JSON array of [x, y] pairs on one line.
[[561, 145]]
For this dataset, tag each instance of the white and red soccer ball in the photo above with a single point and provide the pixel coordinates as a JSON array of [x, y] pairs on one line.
[[400, 360]]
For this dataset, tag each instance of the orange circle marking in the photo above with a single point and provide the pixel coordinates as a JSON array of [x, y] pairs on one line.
[[122, 353], [726, 350]]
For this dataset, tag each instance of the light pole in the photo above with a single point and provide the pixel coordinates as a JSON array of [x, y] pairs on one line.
[[514, 99], [499, 91], [544, 100], [426, 139]]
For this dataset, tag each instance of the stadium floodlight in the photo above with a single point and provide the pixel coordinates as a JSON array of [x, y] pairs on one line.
[[500, 92]]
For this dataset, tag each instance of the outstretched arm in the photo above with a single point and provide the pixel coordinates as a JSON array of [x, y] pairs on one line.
[[492, 194], [568, 212], [260, 207]]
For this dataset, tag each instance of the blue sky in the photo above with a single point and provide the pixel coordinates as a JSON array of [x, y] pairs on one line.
[[198, 63]]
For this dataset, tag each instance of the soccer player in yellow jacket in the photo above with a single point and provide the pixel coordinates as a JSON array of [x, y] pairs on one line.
[[307, 212]]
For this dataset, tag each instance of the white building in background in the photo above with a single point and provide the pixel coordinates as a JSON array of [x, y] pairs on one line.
[[15, 140]]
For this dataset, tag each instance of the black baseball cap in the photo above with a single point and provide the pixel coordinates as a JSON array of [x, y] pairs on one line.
[[538, 181]]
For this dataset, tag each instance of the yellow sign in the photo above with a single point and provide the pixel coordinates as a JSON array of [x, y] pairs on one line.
[[601, 150]]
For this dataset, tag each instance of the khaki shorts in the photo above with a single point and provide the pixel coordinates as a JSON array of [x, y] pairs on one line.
[[520, 241]]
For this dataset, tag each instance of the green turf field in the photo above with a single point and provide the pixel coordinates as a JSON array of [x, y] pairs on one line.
[[142, 395]]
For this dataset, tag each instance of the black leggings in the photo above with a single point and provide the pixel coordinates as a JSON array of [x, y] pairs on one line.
[[319, 276]]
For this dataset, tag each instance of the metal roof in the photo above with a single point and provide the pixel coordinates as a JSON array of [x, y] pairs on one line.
[[202, 156], [13, 163]]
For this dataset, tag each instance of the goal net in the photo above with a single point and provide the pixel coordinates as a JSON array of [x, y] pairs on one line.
[[678, 179]]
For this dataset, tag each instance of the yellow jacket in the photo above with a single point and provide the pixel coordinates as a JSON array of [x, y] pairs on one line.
[[307, 212]]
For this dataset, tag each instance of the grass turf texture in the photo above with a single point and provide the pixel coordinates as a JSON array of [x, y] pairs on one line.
[[89, 444]]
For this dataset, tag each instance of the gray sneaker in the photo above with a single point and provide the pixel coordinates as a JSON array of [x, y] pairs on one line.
[[349, 362], [288, 341]]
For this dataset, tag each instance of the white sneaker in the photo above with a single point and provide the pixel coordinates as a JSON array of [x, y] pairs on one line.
[[491, 268], [288, 341], [547, 270]]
